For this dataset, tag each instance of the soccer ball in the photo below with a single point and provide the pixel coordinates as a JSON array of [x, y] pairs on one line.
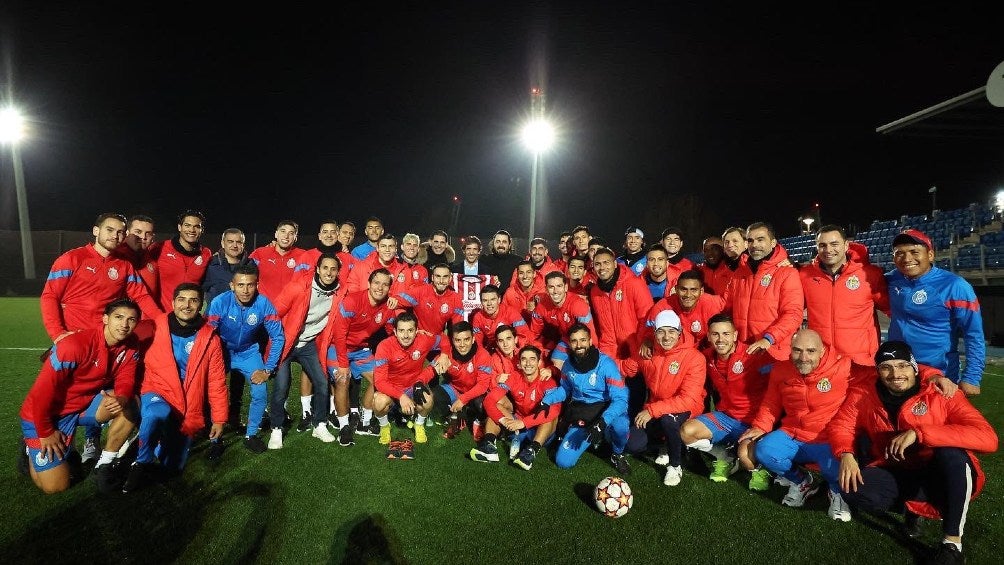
[[613, 497]]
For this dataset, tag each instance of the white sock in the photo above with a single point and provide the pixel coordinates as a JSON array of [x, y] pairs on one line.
[[305, 403], [383, 420], [419, 420], [367, 414], [701, 445], [343, 421], [107, 457], [331, 405]]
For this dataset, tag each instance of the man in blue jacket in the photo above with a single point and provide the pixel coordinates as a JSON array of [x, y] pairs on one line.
[[932, 308], [596, 402]]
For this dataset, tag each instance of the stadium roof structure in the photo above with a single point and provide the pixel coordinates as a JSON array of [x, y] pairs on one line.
[[967, 116]]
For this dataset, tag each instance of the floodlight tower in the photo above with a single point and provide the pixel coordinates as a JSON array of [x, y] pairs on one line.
[[538, 136]]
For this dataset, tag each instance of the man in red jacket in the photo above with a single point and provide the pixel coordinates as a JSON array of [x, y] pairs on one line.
[[183, 367], [493, 314], [804, 393], [842, 293], [467, 379], [691, 303], [278, 260], [89, 378], [619, 300], [921, 447], [716, 272], [182, 258], [674, 377]]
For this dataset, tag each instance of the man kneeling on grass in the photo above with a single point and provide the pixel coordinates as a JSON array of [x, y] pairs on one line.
[[401, 376], [514, 403], [73, 389], [183, 368]]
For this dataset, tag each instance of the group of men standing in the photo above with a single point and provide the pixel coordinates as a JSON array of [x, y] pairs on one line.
[[640, 350]]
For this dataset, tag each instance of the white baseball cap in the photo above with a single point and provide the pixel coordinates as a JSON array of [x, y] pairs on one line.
[[668, 318]]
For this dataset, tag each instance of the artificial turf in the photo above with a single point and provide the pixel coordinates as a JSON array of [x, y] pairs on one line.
[[320, 503]]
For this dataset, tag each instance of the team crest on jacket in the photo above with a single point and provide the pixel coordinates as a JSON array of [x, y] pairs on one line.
[[444, 309], [738, 367], [674, 367], [619, 296], [470, 294], [853, 282], [533, 395], [824, 385], [919, 409], [415, 355], [252, 319], [378, 317], [113, 273], [400, 277], [150, 267], [120, 357], [919, 297], [414, 275], [188, 346], [592, 379], [695, 326], [567, 319], [198, 260], [470, 367], [765, 281], [291, 263]]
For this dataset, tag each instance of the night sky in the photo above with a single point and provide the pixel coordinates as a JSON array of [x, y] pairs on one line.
[[253, 115]]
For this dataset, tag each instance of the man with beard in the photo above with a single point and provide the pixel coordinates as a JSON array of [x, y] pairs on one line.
[[765, 295], [716, 273], [555, 314], [183, 372], [140, 237], [634, 256], [305, 307], [564, 241], [373, 230], [363, 319], [654, 275], [436, 306], [513, 404], [241, 315], [278, 260], [594, 402], [539, 259], [437, 250], [494, 314], [182, 258], [467, 379], [841, 297], [223, 263], [501, 262], [619, 301], [523, 296]]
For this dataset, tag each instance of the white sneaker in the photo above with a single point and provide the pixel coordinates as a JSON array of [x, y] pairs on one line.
[[662, 458], [780, 480], [798, 494], [673, 476], [90, 450], [322, 433], [838, 508], [275, 440]]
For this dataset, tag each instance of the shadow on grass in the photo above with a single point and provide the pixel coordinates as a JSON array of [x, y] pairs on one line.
[[887, 525], [369, 539], [155, 525], [587, 494]]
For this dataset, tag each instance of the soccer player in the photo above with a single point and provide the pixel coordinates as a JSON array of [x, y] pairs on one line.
[[88, 379], [595, 398], [741, 382], [278, 260], [921, 448], [465, 382], [524, 294], [492, 315], [359, 325], [580, 282], [674, 377], [514, 404], [182, 258], [84, 280], [373, 230], [306, 306], [400, 372], [555, 314], [716, 273], [634, 256], [135, 248], [692, 304], [654, 275], [619, 301], [436, 305], [676, 261], [415, 273], [933, 308], [183, 368], [240, 315], [223, 263], [385, 258]]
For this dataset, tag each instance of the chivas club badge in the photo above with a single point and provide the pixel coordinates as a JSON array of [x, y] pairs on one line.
[[824, 385], [919, 409], [198, 260], [470, 367], [619, 296], [919, 297], [853, 282], [400, 277], [415, 355], [291, 263], [738, 367], [444, 309], [674, 367], [765, 281], [378, 317], [592, 379], [695, 326], [113, 274], [252, 319]]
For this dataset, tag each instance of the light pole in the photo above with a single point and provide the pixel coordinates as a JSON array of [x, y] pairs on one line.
[[538, 135], [11, 132]]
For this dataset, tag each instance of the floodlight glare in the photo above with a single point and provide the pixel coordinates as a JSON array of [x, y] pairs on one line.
[[11, 125], [999, 200], [538, 136]]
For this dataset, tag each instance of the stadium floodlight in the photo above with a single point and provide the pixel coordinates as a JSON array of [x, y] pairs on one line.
[[11, 125], [999, 200], [12, 131], [538, 136]]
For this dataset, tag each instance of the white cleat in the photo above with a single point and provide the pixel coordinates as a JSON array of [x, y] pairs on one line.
[[322, 433], [673, 476], [838, 508], [275, 440]]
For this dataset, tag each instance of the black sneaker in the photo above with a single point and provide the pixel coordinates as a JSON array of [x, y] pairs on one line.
[[910, 526], [354, 421], [22, 459], [254, 444], [370, 429], [305, 421], [136, 478], [333, 421], [485, 452], [620, 462], [215, 450], [525, 458], [107, 479], [345, 435], [946, 554]]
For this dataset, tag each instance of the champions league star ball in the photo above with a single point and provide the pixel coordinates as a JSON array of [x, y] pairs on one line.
[[613, 497]]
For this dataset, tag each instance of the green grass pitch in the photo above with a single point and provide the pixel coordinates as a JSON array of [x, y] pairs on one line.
[[320, 503]]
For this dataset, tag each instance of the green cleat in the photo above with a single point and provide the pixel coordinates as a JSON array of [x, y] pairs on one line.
[[759, 479], [722, 469]]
